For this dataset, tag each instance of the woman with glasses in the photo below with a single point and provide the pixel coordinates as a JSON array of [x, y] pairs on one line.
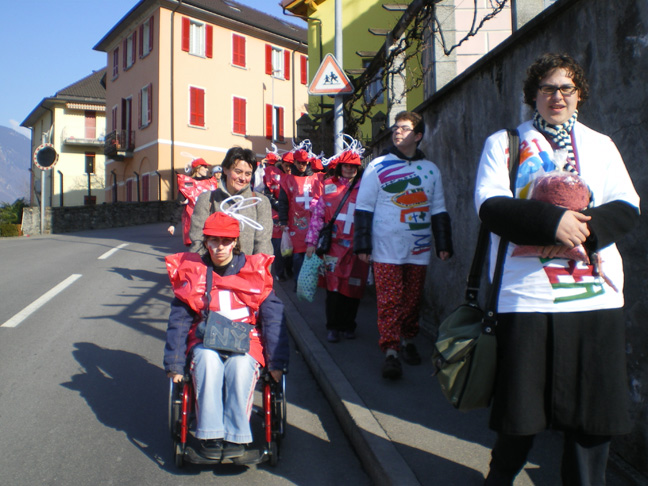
[[560, 333], [238, 167]]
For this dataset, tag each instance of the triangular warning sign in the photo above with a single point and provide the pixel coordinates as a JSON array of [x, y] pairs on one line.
[[330, 79]]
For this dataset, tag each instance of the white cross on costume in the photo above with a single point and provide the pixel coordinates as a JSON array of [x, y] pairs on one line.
[[347, 218], [306, 199], [225, 306]]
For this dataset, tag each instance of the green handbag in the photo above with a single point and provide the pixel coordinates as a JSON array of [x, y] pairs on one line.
[[465, 351]]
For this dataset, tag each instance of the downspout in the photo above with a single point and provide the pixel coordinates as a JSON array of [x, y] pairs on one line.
[[61, 185], [50, 139], [159, 185], [137, 178], [172, 110], [114, 185]]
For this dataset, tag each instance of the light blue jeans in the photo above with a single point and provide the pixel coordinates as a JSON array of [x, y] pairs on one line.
[[224, 394]]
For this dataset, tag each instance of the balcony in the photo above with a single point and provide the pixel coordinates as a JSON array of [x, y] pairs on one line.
[[78, 137], [120, 144]]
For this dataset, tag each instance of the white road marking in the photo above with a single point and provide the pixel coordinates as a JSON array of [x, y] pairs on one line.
[[42, 300], [110, 252]]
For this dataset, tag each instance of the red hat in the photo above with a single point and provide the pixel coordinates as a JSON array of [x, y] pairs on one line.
[[196, 162], [348, 157], [220, 224], [288, 157], [301, 155], [271, 158], [316, 164]]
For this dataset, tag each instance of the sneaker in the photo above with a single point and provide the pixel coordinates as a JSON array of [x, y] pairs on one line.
[[333, 336], [392, 368], [211, 449], [410, 355], [230, 450], [349, 334]]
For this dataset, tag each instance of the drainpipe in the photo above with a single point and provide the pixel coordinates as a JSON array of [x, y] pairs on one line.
[[114, 185], [172, 111], [159, 185], [61, 188], [138, 185]]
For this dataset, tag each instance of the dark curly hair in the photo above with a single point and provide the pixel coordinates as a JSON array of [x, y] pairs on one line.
[[239, 153], [547, 63]]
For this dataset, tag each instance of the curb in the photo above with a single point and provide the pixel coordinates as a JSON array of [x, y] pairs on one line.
[[378, 455]]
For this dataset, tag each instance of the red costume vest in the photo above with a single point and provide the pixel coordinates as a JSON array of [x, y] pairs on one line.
[[344, 271], [301, 192], [191, 188], [237, 297], [272, 180]]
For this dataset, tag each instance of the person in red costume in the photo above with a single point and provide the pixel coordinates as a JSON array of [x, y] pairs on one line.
[[241, 291], [345, 274], [272, 186], [189, 188], [299, 187]]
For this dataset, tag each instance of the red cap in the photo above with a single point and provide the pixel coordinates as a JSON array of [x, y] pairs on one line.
[[196, 162], [288, 157], [316, 164], [271, 158], [348, 157], [220, 224], [301, 156]]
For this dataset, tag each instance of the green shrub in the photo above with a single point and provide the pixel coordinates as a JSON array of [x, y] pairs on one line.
[[8, 229]]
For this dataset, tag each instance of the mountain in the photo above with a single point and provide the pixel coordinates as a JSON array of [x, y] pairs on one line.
[[15, 160]]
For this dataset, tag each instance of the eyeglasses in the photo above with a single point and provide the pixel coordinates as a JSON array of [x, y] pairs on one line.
[[550, 90], [403, 128]]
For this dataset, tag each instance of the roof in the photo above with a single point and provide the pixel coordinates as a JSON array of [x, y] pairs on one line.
[[88, 90], [228, 9]]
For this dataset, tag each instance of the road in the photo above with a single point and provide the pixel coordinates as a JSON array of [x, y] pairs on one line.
[[83, 396]]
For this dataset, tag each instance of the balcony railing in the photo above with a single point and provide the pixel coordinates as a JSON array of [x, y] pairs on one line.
[[72, 136], [120, 144]]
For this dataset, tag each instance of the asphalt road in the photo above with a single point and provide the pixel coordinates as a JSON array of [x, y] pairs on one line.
[[83, 397]]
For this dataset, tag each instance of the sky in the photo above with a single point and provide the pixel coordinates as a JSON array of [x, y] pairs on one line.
[[46, 45]]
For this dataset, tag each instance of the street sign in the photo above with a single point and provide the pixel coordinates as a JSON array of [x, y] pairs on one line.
[[330, 79], [45, 156]]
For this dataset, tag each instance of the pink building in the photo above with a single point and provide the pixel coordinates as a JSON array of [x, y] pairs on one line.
[[192, 79]]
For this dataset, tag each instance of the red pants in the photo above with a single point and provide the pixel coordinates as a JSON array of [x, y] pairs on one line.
[[399, 290]]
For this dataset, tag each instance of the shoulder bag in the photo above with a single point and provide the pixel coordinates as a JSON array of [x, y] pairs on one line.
[[326, 233], [465, 352], [220, 333]]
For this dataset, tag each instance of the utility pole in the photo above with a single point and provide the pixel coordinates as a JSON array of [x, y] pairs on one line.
[[338, 112]]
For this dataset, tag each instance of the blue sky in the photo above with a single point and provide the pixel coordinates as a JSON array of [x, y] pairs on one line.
[[46, 45]]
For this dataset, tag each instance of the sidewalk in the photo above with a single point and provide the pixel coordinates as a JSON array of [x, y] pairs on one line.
[[404, 431]]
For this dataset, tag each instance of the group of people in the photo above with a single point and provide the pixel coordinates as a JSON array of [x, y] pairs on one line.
[[561, 355]]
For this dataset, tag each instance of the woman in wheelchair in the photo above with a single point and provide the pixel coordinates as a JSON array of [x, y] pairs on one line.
[[204, 332]]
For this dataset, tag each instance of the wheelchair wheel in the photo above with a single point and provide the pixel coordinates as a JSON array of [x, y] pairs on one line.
[[279, 407], [178, 454], [274, 454], [175, 405]]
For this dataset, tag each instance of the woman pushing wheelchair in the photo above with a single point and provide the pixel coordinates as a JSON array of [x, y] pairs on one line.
[[224, 336]]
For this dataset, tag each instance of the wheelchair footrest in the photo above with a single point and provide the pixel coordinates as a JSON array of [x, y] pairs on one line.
[[251, 456]]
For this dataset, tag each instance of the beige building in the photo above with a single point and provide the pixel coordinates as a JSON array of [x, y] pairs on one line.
[[73, 121], [192, 79]]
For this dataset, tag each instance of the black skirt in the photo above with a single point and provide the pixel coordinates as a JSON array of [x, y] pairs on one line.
[[564, 371]]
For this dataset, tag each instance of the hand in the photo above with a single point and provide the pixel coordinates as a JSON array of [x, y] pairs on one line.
[[365, 257], [171, 230], [553, 251], [276, 375], [310, 250], [572, 229], [444, 255], [176, 377]]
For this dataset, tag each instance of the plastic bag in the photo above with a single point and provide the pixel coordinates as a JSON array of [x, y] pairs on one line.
[[308, 276], [286, 244]]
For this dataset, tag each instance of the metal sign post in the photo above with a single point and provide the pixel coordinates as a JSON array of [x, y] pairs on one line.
[[45, 158]]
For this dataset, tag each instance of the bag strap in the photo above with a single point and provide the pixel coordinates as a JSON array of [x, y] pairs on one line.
[[208, 287], [346, 196]]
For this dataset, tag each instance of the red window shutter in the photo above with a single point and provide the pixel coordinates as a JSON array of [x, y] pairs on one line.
[[239, 116], [151, 34], [141, 41], [209, 44], [286, 64], [238, 50], [280, 123], [139, 110], [197, 107], [303, 70], [268, 59], [186, 23], [134, 48], [115, 62], [113, 122], [125, 55], [150, 104], [269, 122]]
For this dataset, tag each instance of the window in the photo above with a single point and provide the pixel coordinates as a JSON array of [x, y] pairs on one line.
[[196, 107], [239, 116], [145, 106], [277, 62], [274, 123], [113, 121], [116, 62], [303, 69], [238, 50], [130, 44], [375, 87], [197, 38], [89, 163], [90, 124], [146, 38]]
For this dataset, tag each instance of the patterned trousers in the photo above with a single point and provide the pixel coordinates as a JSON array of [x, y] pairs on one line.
[[399, 290]]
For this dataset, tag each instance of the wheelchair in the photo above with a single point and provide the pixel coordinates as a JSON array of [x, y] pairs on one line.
[[272, 413]]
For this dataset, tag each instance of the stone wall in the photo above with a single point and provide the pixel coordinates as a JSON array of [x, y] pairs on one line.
[[79, 218], [610, 40]]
